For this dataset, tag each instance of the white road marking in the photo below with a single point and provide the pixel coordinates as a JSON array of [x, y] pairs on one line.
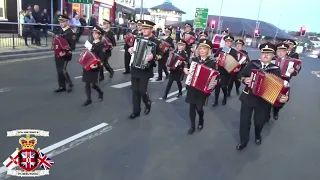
[[74, 140], [174, 93], [122, 85], [155, 77], [4, 90], [175, 98], [317, 73], [78, 77]]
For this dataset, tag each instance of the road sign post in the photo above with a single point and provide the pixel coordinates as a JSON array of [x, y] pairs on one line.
[[201, 18]]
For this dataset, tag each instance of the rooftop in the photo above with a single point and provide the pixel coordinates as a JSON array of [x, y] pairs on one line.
[[168, 6]]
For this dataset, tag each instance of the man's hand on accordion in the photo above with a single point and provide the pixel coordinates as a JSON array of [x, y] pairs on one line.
[[247, 80], [284, 99], [93, 66], [186, 71], [149, 57], [130, 50], [62, 53]]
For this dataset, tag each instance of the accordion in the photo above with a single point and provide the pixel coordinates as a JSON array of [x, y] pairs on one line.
[[228, 62], [129, 39], [164, 46], [174, 60], [88, 58], [201, 77], [268, 86], [286, 64], [59, 44], [189, 38], [217, 42], [142, 47], [241, 57], [107, 43]]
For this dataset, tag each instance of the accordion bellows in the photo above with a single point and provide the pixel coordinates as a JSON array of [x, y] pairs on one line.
[[268, 86], [88, 58], [201, 77], [60, 44]]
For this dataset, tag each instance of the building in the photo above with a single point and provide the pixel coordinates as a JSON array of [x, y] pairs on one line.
[[125, 10], [145, 14], [166, 14]]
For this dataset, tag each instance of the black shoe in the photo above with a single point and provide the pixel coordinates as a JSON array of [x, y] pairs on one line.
[[191, 131], [238, 92], [241, 146], [126, 72], [134, 115], [147, 109], [258, 141], [200, 126], [164, 98], [179, 94], [61, 89], [111, 74], [228, 94], [100, 96], [275, 116], [87, 102], [224, 101], [215, 104], [159, 79]]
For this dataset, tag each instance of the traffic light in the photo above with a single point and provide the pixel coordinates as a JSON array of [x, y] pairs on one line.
[[213, 24], [256, 33], [303, 31]]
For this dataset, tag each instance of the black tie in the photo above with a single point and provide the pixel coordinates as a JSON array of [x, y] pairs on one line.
[[264, 66]]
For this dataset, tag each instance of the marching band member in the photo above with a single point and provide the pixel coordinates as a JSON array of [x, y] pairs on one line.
[[250, 102], [197, 99], [203, 35], [177, 74], [225, 32], [140, 78], [291, 52], [139, 25], [127, 55], [224, 75], [64, 56], [162, 63], [234, 76], [91, 77], [188, 30], [108, 33], [282, 49]]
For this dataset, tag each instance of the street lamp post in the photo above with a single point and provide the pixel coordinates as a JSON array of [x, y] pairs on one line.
[[141, 9], [220, 24], [258, 22]]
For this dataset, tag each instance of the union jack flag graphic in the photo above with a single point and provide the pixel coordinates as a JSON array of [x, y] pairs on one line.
[[44, 161]]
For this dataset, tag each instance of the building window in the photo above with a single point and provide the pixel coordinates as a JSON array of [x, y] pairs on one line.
[[3, 10]]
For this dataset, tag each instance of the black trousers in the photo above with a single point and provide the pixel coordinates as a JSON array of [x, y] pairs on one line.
[[139, 88], [193, 110], [234, 80], [63, 76], [107, 66], [88, 87], [171, 79], [127, 58], [162, 67], [261, 115], [217, 92], [37, 34]]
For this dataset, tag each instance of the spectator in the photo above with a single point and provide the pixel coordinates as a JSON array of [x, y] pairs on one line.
[[45, 20], [38, 18], [92, 22], [28, 29], [76, 23], [21, 21], [56, 21], [81, 29]]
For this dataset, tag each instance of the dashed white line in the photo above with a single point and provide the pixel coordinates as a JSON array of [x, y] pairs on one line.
[[122, 85], [4, 90]]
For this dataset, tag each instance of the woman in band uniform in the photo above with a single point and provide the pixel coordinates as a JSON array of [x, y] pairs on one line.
[[251, 102], [177, 74], [197, 99], [91, 77]]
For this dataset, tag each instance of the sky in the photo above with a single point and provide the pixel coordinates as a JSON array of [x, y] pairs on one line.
[[286, 14]]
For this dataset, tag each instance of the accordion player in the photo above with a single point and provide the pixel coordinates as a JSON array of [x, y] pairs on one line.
[[130, 39], [201, 77], [142, 47], [286, 64], [60, 44], [268, 86], [189, 38], [164, 46], [228, 61], [174, 60], [217, 42], [88, 58], [107, 43]]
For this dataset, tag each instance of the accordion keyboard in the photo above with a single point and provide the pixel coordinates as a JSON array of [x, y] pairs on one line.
[[191, 71]]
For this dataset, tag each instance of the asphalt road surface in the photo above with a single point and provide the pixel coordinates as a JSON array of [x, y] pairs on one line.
[[98, 142]]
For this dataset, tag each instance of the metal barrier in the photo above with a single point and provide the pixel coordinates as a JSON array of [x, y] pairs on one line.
[[14, 35]]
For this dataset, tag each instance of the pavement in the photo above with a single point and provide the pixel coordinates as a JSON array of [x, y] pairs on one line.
[[99, 142]]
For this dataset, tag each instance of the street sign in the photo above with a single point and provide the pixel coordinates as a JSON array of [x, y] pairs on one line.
[[81, 1], [201, 18]]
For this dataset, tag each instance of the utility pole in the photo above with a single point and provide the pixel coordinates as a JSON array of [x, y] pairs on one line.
[[258, 22], [141, 9], [220, 24]]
